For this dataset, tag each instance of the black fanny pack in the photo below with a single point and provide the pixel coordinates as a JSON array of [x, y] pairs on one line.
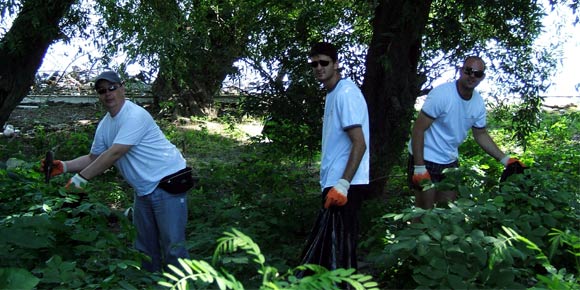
[[178, 182]]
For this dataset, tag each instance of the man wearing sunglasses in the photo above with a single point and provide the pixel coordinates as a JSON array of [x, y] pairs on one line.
[[128, 138], [344, 171], [448, 113]]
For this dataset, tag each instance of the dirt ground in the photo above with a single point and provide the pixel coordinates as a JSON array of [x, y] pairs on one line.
[[54, 116]]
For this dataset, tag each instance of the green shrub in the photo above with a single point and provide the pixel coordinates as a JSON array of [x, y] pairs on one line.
[[274, 196], [61, 239], [555, 278], [451, 247], [199, 273]]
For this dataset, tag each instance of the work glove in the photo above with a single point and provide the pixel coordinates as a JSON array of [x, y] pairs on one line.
[[76, 183], [337, 195], [58, 167], [507, 160], [420, 174]]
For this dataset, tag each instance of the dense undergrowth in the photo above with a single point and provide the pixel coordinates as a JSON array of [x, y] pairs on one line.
[[254, 206]]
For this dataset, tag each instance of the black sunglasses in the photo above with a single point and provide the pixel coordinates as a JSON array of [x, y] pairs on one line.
[[471, 72], [102, 91], [323, 63]]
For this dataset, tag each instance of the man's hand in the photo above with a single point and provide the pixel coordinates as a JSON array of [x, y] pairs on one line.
[[507, 160], [337, 195], [77, 182], [420, 174], [58, 167]]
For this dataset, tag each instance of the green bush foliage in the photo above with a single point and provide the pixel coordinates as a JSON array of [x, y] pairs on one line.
[[53, 239], [463, 245], [198, 272], [65, 240], [555, 278]]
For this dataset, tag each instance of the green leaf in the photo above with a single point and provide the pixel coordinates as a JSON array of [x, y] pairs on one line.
[[236, 260], [464, 202], [17, 278], [406, 245], [540, 231], [455, 248], [477, 235], [424, 238], [505, 277], [424, 281], [435, 274], [450, 238], [25, 238], [435, 233], [498, 201], [422, 250], [438, 263], [176, 270], [85, 236], [457, 282], [480, 254], [462, 269], [457, 230], [369, 285]]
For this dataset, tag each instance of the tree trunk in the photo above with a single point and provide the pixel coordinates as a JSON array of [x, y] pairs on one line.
[[193, 100], [203, 70], [23, 47], [391, 83]]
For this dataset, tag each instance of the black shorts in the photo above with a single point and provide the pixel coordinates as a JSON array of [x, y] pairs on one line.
[[434, 169]]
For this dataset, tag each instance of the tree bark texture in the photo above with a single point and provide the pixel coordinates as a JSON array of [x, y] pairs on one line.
[[203, 70], [23, 47], [391, 83]]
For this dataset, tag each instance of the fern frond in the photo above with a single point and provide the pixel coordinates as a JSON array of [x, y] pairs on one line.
[[501, 246], [198, 270], [234, 240], [324, 279]]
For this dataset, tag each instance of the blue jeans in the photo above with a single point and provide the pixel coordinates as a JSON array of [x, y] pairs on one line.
[[160, 219]]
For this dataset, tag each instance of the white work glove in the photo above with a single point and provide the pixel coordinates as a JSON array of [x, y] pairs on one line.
[[337, 196], [78, 181], [507, 160]]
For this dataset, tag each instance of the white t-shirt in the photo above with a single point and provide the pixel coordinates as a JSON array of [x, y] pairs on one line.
[[453, 117], [345, 107], [151, 156]]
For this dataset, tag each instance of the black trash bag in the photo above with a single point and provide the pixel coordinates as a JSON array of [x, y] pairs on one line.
[[331, 244], [511, 169], [333, 240]]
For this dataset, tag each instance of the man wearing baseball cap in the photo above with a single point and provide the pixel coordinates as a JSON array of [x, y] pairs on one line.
[[128, 138]]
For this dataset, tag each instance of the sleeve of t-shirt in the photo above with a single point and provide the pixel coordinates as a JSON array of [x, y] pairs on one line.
[[350, 106], [481, 120], [433, 106]]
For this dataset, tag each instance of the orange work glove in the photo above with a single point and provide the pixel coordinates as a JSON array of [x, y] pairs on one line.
[[507, 160], [58, 167], [76, 183], [420, 174], [337, 195]]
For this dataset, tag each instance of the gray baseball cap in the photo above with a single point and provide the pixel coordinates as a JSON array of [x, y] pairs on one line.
[[110, 76]]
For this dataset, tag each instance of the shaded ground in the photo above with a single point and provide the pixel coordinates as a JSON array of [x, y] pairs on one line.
[[54, 115]]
